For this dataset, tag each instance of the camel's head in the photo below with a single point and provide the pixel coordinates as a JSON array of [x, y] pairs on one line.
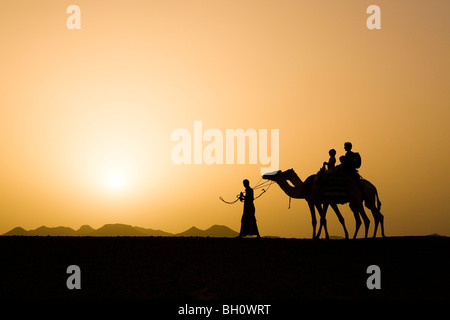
[[272, 175]]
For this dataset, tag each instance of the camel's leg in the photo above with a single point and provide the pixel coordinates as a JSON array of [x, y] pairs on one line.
[[325, 207], [357, 219], [382, 224], [366, 220], [370, 204], [323, 220], [376, 218], [339, 215], [379, 219], [313, 218], [319, 231]]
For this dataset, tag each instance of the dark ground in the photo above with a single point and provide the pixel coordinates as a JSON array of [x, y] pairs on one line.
[[193, 269]]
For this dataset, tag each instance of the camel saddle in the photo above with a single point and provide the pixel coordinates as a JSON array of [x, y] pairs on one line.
[[334, 186]]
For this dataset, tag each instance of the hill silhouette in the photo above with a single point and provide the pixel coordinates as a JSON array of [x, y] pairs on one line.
[[117, 229], [192, 232], [85, 230], [57, 231], [221, 232], [17, 231], [154, 233], [122, 230]]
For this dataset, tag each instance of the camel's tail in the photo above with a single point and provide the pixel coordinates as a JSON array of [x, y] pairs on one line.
[[376, 194]]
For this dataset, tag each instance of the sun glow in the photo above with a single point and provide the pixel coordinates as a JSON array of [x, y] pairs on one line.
[[117, 178], [115, 183]]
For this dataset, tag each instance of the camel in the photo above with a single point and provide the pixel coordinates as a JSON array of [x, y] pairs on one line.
[[313, 193], [310, 191], [371, 201]]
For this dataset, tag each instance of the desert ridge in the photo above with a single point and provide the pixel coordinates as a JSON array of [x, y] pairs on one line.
[[122, 230]]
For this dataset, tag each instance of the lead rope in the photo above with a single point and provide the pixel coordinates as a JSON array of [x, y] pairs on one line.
[[263, 191], [289, 203], [229, 202]]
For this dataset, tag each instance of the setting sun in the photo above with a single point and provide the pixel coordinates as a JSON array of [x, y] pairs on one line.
[[116, 183]]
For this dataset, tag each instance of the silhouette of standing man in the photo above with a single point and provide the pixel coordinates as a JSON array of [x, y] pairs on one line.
[[248, 221]]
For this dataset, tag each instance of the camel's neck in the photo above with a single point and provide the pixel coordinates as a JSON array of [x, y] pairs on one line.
[[296, 190]]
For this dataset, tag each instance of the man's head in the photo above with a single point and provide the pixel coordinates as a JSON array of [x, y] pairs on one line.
[[332, 152], [246, 183], [348, 146]]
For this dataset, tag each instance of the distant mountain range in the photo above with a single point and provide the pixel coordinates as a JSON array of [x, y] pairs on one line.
[[122, 230]]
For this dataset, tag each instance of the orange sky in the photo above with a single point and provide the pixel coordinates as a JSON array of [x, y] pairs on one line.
[[87, 115]]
